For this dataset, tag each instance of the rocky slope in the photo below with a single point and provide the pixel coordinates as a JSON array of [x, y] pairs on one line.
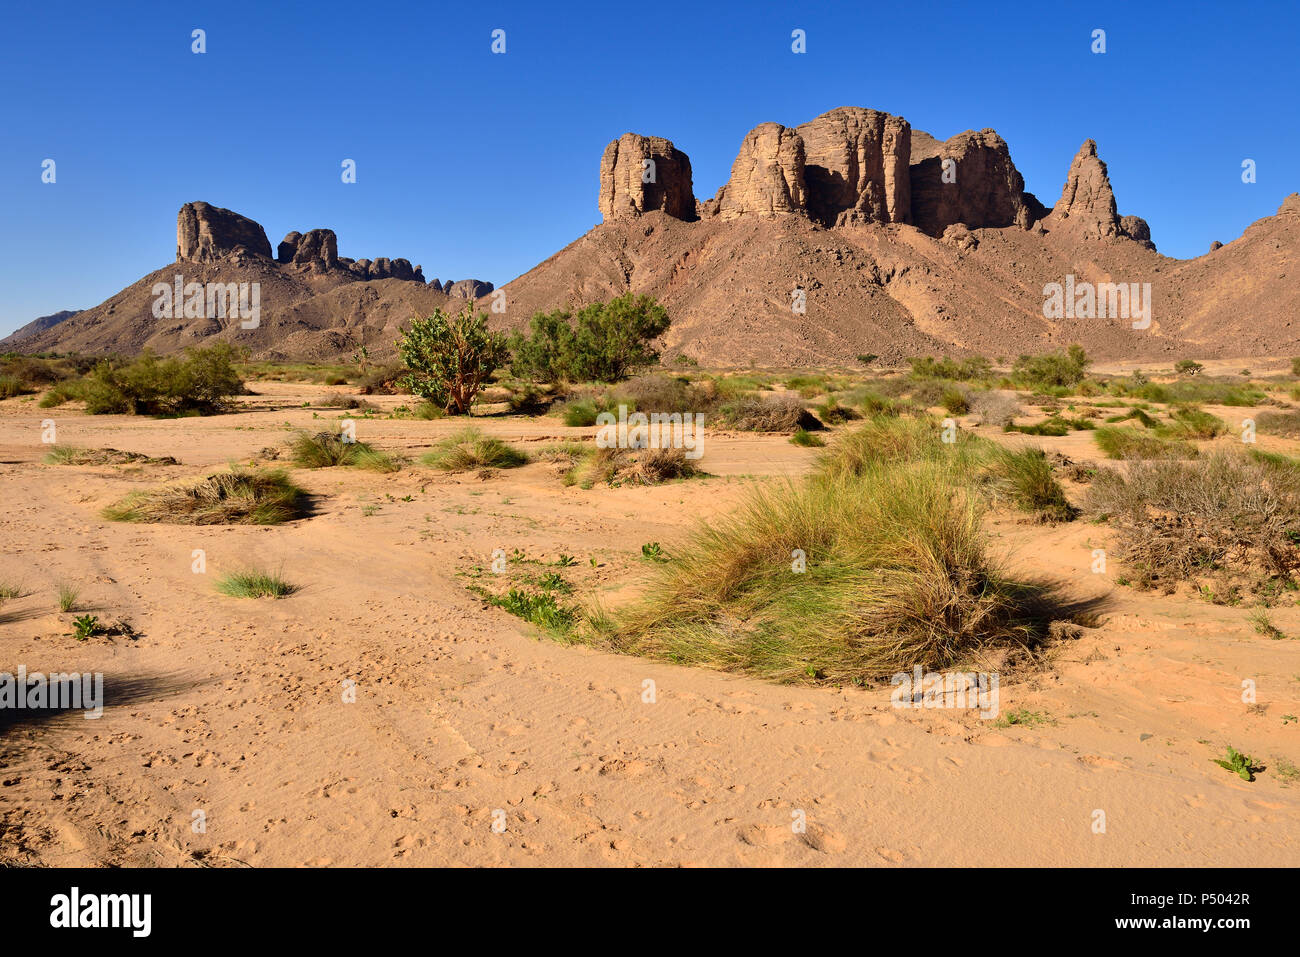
[[313, 303]]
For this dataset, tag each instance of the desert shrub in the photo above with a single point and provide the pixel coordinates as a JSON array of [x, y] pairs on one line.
[[897, 574], [1190, 422], [807, 439], [1295, 366], [583, 412], [69, 390], [1188, 367], [201, 382], [616, 466], [450, 358], [470, 449], [227, 498], [994, 408], [1199, 391], [1177, 518], [604, 342], [11, 385], [255, 583], [1061, 369], [382, 380], [1129, 443], [1285, 424], [349, 402], [661, 393], [832, 413], [1054, 425], [772, 413], [961, 370]]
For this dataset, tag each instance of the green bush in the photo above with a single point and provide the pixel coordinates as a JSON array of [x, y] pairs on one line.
[[450, 358], [604, 342], [963, 370], [199, 383], [1052, 369]]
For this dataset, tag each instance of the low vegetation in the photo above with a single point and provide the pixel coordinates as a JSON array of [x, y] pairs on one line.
[[255, 583], [328, 450], [450, 358], [469, 450], [1224, 513], [603, 342], [227, 498], [200, 382]]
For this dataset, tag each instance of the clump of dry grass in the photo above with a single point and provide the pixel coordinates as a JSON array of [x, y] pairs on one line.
[[1132, 443], [326, 450], [897, 574], [994, 408], [227, 498], [74, 455], [1225, 512], [637, 466], [772, 413]]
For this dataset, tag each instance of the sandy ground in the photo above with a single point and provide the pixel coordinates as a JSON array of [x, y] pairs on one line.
[[465, 717]]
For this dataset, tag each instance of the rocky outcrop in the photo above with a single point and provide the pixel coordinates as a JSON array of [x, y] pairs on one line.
[[1216, 245], [467, 289], [640, 174], [316, 248], [206, 233], [384, 268], [1136, 229], [1087, 203], [979, 188], [767, 178], [856, 167]]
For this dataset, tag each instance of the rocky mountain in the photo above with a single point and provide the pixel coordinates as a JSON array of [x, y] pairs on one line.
[[39, 324], [848, 234], [310, 301], [854, 233]]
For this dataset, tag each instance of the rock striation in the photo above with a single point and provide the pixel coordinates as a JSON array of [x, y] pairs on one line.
[[767, 178], [857, 167]]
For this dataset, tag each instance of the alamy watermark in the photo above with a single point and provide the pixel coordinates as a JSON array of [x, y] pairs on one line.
[[658, 430], [1105, 300], [947, 689], [213, 300], [58, 691]]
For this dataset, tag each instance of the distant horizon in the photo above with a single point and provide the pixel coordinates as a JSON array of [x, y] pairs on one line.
[[138, 124]]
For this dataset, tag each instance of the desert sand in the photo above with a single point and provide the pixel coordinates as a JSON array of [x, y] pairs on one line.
[[465, 716]]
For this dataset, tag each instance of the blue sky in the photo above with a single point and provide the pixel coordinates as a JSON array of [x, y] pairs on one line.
[[482, 165]]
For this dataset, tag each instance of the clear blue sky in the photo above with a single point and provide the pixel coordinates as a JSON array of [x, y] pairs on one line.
[[482, 165]]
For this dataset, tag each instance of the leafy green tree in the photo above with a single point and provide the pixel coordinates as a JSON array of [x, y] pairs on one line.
[[604, 342], [450, 358], [543, 354]]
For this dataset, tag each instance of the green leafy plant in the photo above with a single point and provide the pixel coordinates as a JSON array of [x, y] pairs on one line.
[[652, 552], [450, 358], [84, 627], [1239, 764], [603, 342]]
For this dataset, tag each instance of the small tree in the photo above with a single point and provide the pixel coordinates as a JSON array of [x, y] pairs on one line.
[[450, 358], [613, 340], [604, 342], [1187, 367]]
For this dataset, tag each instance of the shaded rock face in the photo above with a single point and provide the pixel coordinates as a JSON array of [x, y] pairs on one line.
[[284, 253], [856, 167], [1087, 203], [468, 288], [384, 268], [628, 163], [1136, 229], [767, 178], [984, 188], [316, 247], [206, 233]]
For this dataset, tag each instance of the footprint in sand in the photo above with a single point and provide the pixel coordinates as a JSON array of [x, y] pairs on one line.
[[758, 835]]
